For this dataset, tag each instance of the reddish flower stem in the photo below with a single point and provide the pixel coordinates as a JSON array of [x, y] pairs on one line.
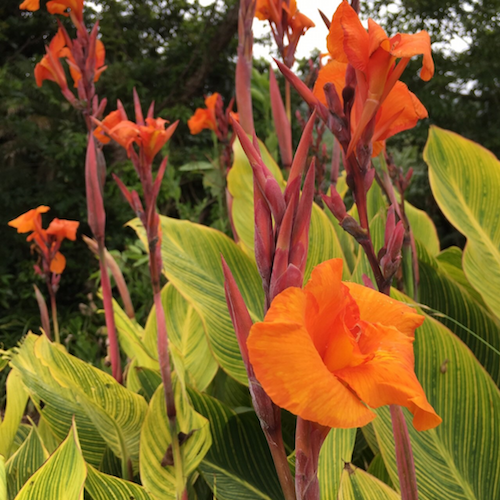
[[107, 299], [404, 455], [308, 440]]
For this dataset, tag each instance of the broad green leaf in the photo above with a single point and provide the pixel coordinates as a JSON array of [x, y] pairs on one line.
[[423, 228], [193, 361], [131, 337], [335, 453], [149, 381], [465, 180], [459, 459], [155, 439], [239, 464], [357, 484], [104, 487], [192, 263], [444, 288], [17, 397], [62, 386], [3, 479], [62, 476], [323, 241], [377, 469], [22, 465]]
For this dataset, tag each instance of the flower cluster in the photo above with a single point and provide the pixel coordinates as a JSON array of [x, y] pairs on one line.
[[383, 105], [47, 242], [285, 19], [324, 350]]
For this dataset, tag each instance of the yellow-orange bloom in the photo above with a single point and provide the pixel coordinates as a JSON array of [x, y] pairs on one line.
[[204, 118], [29, 221], [332, 350]]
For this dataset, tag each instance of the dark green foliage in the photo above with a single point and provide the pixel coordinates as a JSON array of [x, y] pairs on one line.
[[173, 52]]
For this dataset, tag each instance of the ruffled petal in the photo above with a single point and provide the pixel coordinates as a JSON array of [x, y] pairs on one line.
[[376, 307], [356, 38], [413, 45], [288, 366], [58, 263], [388, 378]]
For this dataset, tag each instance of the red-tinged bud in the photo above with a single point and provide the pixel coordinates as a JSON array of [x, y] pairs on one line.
[[300, 158], [274, 197], [291, 277], [409, 175], [368, 282], [124, 189], [300, 234], [335, 204], [368, 179], [151, 110], [157, 182], [263, 237], [390, 262], [242, 322], [281, 123], [333, 100], [390, 226], [95, 205], [351, 225], [282, 253], [139, 118], [325, 19], [304, 91], [121, 109]]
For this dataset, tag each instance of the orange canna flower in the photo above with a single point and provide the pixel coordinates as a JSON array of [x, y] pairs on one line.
[[332, 350], [204, 118], [400, 110], [50, 68], [150, 137], [373, 55], [29, 221], [31, 5], [61, 6], [63, 229]]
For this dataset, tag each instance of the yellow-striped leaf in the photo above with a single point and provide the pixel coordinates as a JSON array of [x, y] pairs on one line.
[[3, 479], [193, 361], [239, 464], [458, 460], [335, 453], [155, 439], [357, 484], [192, 263], [444, 287], [104, 487], [465, 180], [62, 386], [62, 476], [22, 465], [17, 397]]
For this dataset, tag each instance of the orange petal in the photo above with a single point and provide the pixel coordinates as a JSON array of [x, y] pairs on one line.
[[291, 371], [62, 228], [376, 307], [58, 263], [333, 72], [26, 222], [413, 45], [30, 5], [388, 378], [356, 38], [335, 38], [400, 111], [378, 37]]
